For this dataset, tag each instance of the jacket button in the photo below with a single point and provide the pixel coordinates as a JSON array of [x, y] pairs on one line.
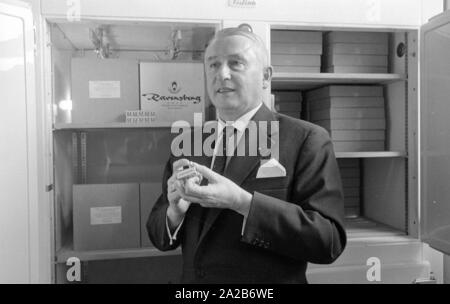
[[200, 273]]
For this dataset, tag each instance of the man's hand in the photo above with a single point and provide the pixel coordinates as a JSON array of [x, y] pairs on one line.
[[219, 193], [177, 205]]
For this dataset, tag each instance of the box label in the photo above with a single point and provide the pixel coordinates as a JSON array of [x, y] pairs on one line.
[[104, 89], [106, 215], [171, 91]]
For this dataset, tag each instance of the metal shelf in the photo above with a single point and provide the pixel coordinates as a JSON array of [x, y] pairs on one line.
[[110, 125], [363, 228], [65, 253], [381, 154], [357, 228], [307, 81]]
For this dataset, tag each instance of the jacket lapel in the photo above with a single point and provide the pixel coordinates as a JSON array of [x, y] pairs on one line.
[[239, 167]]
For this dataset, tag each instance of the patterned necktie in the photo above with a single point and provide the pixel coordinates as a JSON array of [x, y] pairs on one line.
[[221, 155]]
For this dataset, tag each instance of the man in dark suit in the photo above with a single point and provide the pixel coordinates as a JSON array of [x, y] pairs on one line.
[[254, 218]]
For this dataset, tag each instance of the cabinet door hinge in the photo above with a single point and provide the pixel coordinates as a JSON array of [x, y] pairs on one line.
[[49, 188]]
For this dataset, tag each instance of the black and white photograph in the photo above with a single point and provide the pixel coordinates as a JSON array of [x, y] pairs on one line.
[[212, 144]]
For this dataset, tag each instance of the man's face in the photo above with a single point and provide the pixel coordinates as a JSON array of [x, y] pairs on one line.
[[234, 76]]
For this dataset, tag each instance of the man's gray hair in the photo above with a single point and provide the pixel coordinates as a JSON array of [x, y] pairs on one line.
[[246, 31]]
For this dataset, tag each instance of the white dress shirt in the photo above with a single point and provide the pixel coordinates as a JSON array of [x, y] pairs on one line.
[[240, 124]]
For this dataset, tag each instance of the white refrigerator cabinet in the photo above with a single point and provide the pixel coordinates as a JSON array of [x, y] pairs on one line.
[[403, 197]]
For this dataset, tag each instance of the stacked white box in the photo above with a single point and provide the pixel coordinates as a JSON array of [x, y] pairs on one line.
[[288, 103], [105, 216], [103, 89], [351, 184], [350, 52], [344, 113], [296, 51], [353, 115]]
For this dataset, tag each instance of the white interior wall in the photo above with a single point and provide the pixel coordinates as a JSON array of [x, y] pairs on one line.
[[369, 13], [431, 8]]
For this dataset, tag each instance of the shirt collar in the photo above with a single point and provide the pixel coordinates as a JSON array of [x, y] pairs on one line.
[[241, 123]]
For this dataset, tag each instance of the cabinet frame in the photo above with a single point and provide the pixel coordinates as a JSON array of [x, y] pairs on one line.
[[411, 156]]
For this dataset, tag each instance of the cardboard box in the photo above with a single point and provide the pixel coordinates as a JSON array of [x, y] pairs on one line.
[[339, 113], [357, 48], [295, 60], [287, 96], [348, 162], [358, 146], [355, 69], [296, 69], [350, 176], [345, 91], [288, 107], [330, 59], [149, 194], [352, 200], [172, 91], [352, 135], [287, 36], [352, 124], [350, 173], [103, 89], [350, 182], [347, 102], [356, 37], [105, 216], [353, 193], [296, 48]]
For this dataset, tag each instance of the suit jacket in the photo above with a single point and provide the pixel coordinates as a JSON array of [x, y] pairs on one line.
[[292, 220]]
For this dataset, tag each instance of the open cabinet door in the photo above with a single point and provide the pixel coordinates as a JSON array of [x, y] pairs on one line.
[[19, 238], [435, 132]]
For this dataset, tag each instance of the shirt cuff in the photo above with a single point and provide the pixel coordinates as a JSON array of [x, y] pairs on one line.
[[172, 237], [243, 225], [244, 222]]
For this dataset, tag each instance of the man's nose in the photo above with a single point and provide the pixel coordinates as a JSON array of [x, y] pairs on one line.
[[224, 72]]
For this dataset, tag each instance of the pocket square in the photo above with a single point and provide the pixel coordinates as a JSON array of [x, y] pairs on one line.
[[271, 168]]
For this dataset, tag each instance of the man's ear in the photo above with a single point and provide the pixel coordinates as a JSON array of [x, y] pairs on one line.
[[267, 76]]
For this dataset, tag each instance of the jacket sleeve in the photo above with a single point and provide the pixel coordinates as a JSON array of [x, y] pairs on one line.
[[310, 226], [156, 223]]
